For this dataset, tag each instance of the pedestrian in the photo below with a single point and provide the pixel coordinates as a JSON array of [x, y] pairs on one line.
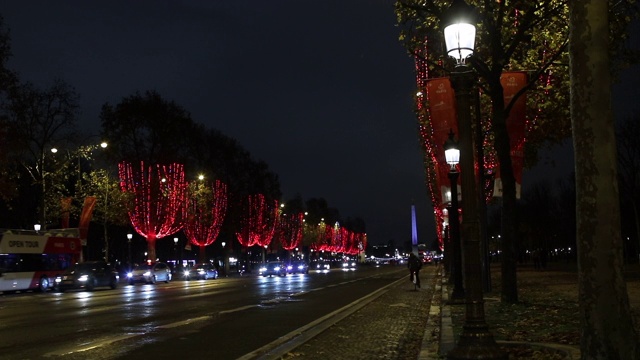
[[414, 266]]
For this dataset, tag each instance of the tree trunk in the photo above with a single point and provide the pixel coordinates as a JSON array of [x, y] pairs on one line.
[[509, 290], [202, 254], [151, 248], [607, 328]]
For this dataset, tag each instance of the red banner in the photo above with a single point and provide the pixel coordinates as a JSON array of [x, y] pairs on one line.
[[85, 217], [442, 111], [512, 83]]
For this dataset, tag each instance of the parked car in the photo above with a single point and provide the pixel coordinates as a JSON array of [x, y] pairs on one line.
[[149, 273], [273, 268], [298, 267], [202, 271], [87, 275]]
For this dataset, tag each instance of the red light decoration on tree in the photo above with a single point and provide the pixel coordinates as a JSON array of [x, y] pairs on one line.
[[205, 214], [290, 230], [258, 223], [157, 198]]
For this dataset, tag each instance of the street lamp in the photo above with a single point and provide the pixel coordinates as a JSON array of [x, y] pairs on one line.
[[452, 156], [175, 243], [475, 342], [226, 259], [129, 237]]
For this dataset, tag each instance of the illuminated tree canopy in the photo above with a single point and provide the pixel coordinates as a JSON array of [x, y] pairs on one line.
[[157, 196], [205, 213]]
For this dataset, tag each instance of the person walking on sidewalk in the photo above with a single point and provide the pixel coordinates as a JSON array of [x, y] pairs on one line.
[[414, 266]]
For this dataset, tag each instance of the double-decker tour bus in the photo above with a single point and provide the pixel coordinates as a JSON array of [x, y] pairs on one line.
[[30, 260]]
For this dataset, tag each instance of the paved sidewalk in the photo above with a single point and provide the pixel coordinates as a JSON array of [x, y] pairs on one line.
[[407, 324], [390, 327]]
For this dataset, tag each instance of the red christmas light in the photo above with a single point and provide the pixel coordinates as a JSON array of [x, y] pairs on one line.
[[205, 215], [290, 230], [157, 198], [258, 223]]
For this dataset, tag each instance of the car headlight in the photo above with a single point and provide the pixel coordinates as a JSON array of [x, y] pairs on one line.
[[58, 279], [289, 267], [300, 267], [83, 278], [353, 264], [263, 269], [129, 274], [186, 273], [276, 268], [201, 272], [148, 273], [345, 265]]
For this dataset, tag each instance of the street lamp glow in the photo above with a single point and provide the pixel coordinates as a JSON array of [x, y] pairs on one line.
[[37, 227], [459, 31], [54, 150], [104, 144], [175, 240], [129, 236], [451, 151], [201, 177]]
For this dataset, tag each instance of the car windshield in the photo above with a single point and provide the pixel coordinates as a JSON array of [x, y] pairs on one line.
[[143, 267]]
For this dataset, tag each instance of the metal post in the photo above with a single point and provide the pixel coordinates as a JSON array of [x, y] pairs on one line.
[[454, 222], [475, 342]]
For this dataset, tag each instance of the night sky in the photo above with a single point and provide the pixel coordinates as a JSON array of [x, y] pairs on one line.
[[322, 91]]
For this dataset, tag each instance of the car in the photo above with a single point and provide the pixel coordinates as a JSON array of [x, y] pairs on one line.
[[298, 267], [201, 271], [321, 266], [349, 265], [87, 275], [273, 268], [149, 273]]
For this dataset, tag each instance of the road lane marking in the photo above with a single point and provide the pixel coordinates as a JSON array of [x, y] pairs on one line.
[[237, 309], [184, 322], [90, 346]]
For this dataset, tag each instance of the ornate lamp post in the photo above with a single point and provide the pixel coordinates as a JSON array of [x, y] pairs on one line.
[[475, 342], [452, 156]]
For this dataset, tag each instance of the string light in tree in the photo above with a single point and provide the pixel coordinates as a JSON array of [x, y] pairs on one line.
[[157, 194], [258, 221], [206, 210], [290, 230]]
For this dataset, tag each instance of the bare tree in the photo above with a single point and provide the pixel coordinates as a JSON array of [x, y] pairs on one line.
[[42, 120]]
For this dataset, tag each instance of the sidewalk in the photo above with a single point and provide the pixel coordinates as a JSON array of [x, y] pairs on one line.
[[545, 323], [407, 324], [390, 327]]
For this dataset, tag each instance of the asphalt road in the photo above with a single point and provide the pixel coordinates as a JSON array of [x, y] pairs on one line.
[[226, 318]]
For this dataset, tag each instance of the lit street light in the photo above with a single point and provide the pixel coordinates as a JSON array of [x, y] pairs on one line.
[[226, 259], [175, 248], [475, 341], [452, 156], [129, 237]]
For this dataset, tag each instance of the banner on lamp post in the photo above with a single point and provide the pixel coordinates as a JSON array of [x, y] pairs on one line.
[[443, 116]]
